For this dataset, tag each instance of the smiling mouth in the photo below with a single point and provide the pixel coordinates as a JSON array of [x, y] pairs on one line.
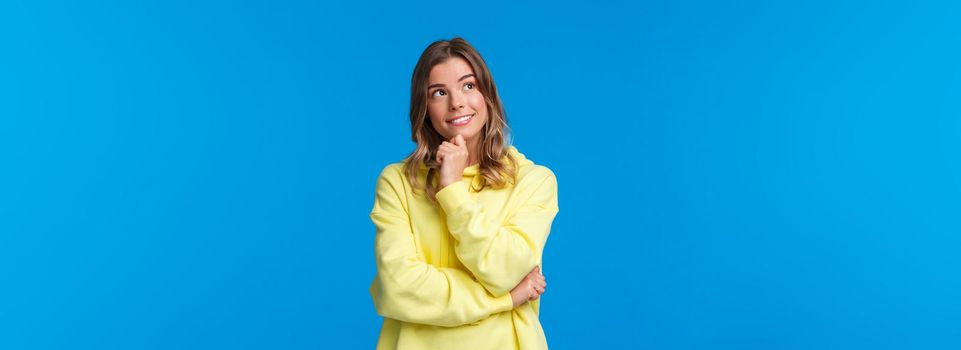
[[461, 120]]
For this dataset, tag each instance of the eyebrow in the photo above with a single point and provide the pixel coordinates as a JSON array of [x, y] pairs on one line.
[[442, 85]]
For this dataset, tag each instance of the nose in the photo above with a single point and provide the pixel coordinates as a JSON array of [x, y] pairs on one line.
[[456, 101]]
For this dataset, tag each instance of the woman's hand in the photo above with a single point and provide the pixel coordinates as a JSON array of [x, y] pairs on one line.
[[452, 157], [530, 288]]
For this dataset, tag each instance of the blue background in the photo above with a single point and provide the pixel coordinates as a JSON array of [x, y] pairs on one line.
[[733, 175]]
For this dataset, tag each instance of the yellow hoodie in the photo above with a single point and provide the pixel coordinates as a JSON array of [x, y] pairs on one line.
[[445, 272]]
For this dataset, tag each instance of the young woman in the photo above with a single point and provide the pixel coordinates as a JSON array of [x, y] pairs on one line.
[[461, 223]]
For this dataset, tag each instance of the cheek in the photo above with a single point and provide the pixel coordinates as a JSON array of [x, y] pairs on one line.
[[436, 121], [482, 111], [477, 102], [436, 115], [478, 105]]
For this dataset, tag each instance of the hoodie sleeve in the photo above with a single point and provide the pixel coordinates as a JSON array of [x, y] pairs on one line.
[[501, 254], [409, 289]]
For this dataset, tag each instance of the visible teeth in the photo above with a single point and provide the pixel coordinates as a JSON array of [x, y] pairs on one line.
[[461, 119]]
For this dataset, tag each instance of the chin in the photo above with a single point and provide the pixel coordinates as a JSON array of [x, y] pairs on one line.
[[466, 134]]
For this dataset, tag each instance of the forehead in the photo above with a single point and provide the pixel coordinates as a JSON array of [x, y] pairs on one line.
[[450, 70]]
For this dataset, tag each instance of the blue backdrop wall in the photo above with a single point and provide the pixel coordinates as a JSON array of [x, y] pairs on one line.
[[733, 175]]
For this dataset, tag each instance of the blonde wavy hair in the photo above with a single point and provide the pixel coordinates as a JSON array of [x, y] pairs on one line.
[[497, 166]]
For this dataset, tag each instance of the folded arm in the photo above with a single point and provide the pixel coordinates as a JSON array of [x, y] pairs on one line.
[[501, 254], [409, 289]]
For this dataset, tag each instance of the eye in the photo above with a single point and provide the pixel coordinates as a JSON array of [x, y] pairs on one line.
[[469, 86], [439, 93]]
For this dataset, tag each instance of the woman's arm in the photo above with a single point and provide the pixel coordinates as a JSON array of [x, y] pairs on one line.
[[409, 289], [501, 255]]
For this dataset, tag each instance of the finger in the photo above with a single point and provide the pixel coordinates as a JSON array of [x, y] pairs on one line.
[[447, 148], [459, 141], [539, 285]]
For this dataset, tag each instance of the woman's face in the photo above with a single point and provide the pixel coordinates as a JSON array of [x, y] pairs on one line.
[[455, 104]]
